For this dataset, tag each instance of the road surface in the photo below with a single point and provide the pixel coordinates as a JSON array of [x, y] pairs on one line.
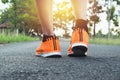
[[18, 62]]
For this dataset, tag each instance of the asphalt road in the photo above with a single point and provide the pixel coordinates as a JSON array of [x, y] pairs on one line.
[[18, 62]]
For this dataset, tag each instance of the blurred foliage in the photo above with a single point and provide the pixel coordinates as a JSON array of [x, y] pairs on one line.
[[21, 14], [94, 9], [118, 1], [63, 15], [113, 14]]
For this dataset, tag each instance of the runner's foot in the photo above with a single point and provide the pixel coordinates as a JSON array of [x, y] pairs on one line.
[[79, 40], [49, 47]]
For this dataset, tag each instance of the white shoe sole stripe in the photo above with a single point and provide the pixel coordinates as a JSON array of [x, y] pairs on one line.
[[79, 44], [50, 54]]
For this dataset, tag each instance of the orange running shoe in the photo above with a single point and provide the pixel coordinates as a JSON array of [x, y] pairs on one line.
[[79, 40], [49, 47]]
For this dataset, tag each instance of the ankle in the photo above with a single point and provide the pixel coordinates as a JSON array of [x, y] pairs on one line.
[[80, 23], [49, 34]]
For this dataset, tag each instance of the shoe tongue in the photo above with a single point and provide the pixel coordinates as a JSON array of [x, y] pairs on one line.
[[82, 24]]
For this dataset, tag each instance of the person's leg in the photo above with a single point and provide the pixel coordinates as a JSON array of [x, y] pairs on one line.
[[50, 46], [80, 8], [79, 39], [44, 8]]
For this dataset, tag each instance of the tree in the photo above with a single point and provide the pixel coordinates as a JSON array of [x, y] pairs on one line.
[[22, 14], [111, 14], [94, 10], [14, 8]]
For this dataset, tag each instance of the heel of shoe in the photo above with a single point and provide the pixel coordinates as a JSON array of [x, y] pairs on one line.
[[79, 51]]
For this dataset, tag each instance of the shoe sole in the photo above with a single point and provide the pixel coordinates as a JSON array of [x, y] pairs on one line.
[[79, 50], [50, 55]]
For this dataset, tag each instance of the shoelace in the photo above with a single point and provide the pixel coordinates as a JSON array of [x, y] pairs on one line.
[[53, 38]]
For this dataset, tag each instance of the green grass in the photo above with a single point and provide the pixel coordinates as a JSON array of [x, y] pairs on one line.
[[15, 38], [106, 41], [21, 38]]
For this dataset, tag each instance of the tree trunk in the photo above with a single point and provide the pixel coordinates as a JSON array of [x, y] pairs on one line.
[[17, 32], [23, 30], [94, 30], [3, 31], [15, 15]]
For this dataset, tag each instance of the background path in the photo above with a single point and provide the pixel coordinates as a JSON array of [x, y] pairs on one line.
[[17, 62]]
